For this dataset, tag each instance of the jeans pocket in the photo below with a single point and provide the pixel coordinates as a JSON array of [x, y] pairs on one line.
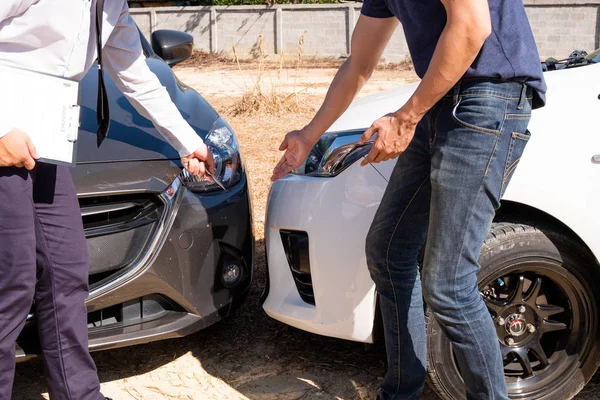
[[480, 113], [518, 141]]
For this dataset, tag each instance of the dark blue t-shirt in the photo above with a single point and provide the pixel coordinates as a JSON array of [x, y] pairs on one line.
[[509, 53]]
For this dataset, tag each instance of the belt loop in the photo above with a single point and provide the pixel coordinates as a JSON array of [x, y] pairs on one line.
[[456, 93], [523, 97]]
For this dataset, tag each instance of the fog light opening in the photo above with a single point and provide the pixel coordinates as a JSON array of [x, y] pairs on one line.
[[231, 275]]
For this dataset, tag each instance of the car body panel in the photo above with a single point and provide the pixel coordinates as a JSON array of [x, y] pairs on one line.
[[343, 290], [366, 109], [564, 139], [198, 236], [569, 187], [121, 177]]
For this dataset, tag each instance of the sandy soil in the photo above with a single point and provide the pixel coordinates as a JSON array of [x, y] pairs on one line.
[[218, 83], [247, 356]]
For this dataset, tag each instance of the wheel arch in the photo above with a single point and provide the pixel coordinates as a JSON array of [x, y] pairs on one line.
[[513, 211], [510, 211]]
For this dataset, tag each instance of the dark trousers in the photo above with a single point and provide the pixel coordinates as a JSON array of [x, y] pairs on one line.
[[444, 190], [44, 258]]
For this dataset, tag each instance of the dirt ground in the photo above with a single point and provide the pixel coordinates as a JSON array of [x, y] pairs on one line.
[[249, 355]]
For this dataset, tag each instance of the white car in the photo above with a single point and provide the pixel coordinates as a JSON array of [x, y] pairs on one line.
[[543, 248]]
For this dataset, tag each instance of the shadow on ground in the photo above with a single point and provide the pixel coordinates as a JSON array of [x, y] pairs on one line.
[[256, 356]]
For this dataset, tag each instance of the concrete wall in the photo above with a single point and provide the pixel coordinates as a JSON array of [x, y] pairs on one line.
[[559, 26]]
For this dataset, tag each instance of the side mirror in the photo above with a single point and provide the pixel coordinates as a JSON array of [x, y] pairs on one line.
[[172, 46]]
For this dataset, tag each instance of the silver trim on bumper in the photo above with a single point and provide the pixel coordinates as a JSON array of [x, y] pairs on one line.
[[171, 199]]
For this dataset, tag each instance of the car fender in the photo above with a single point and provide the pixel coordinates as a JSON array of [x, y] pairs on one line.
[[557, 173]]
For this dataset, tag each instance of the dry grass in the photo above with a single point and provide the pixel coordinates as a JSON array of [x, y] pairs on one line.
[[404, 65], [259, 101], [266, 95], [202, 59], [274, 62], [271, 62], [267, 89]]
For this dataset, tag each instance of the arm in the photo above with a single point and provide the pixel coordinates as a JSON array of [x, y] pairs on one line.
[[126, 64], [369, 39], [468, 26]]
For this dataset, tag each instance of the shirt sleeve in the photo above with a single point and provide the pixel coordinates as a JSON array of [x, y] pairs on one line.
[[12, 8], [376, 9], [126, 64]]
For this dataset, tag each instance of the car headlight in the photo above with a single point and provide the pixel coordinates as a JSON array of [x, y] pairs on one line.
[[334, 153], [228, 167]]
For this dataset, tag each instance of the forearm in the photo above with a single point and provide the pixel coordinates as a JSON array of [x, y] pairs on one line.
[[126, 64], [345, 85], [456, 50]]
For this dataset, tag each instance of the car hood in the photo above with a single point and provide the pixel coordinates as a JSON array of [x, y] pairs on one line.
[[365, 110], [132, 137]]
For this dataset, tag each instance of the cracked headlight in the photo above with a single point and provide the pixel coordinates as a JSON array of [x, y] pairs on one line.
[[228, 167], [334, 153]]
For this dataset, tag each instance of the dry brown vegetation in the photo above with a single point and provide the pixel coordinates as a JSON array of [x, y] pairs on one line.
[[226, 59], [265, 96]]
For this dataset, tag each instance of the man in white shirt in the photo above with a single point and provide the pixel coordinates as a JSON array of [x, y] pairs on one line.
[[43, 253]]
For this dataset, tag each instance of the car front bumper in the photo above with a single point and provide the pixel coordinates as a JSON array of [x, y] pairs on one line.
[[174, 286], [335, 215]]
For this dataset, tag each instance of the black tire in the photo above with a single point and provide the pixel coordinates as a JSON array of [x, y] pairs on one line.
[[564, 273]]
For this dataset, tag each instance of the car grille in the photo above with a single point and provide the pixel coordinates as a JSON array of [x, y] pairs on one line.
[[118, 230], [295, 244]]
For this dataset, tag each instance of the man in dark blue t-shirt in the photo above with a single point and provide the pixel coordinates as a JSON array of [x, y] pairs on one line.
[[458, 140]]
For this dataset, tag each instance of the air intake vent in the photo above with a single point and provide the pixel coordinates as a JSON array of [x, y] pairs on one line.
[[107, 211], [295, 244], [117, 229]]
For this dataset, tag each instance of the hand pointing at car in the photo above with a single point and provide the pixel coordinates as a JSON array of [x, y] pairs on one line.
[[297, 146], [394, 133]]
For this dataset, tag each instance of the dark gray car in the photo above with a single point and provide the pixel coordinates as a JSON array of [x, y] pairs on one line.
[[170, 254]]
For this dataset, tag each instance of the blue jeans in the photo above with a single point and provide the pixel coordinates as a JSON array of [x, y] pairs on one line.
[[443, 193]]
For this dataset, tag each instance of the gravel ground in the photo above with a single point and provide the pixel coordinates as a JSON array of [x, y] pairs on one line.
[[249, 355]]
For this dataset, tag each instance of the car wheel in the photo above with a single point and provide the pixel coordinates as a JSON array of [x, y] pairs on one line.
[[537, 284]]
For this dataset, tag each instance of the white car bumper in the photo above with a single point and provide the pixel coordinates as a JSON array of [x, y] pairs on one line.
[[336, 214]]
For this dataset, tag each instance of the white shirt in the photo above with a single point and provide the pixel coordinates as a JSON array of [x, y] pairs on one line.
[[58, 37]]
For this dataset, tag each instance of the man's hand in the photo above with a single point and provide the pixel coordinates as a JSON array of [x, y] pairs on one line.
[[17, 150], [394, 133], [297, 146], [199, 161], [369, 39]]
